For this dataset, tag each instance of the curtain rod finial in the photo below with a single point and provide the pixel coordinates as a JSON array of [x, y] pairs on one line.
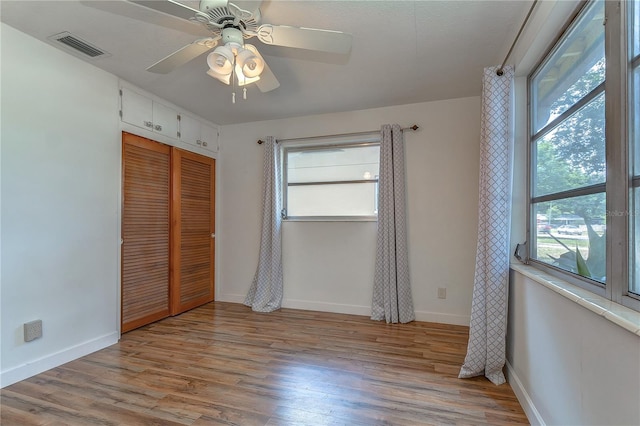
[[260, 141], [414, 127]]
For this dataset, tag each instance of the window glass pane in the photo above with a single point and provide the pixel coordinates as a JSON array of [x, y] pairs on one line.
[[634, 31], [571, 230], [333, 164], [634, 136], [573, 154], [634, 115], [634, 282], [349, 199], [574, 69]]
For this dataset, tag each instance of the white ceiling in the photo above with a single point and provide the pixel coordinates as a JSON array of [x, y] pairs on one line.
[[403, 52]]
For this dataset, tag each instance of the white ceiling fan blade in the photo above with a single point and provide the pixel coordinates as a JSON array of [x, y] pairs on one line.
[[132, 10], [250, 5], [169, 7], [244, 10], [305, 38], [268, 80], [182, 56]]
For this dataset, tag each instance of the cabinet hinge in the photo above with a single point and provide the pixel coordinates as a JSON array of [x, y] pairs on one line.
[[120, 92], [120, 113], [179, 118], [178, 134]]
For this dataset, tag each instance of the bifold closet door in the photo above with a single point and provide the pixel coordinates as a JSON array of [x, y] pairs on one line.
[[146, 192], [193, 230]]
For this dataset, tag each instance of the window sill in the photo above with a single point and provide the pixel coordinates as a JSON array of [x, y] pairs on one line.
[[614, 312], [331, 219]]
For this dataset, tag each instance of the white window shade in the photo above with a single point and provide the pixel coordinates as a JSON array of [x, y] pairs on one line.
[[331, 180]]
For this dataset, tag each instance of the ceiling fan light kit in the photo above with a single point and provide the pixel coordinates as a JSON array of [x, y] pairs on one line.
[[240, 78], [221, 60], [233, 61], [249, 63]]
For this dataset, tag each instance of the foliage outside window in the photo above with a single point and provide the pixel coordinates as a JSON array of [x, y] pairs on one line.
[[575, 109], [331, 181]]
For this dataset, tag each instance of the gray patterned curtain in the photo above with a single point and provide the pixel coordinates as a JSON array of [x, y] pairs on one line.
[[392, 299], [486, 350], [265, 293]]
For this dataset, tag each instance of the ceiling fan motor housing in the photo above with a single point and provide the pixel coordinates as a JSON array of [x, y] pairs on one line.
[[232, 35]]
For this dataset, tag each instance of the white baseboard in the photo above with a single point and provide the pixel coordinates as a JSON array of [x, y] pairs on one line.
[[306, 305], [29, 369], [231, 298], [443, 318], [339, 308], [533, 415]]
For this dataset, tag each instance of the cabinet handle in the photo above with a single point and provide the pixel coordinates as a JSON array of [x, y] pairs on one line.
[[158, 127], [213, 235], [199, 142], [204, 143], [148, 124]]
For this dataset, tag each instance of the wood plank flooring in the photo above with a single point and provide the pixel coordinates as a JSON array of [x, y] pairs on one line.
[[224, 364]]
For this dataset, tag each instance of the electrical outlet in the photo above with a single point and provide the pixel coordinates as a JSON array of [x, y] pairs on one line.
[[442, 293], [32, 330]]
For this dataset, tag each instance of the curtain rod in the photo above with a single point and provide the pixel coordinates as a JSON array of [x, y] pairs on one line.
[[414, 128], [524, 24]]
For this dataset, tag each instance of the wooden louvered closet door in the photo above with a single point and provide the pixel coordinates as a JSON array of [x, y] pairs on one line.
[[193, 232], [145, 231]]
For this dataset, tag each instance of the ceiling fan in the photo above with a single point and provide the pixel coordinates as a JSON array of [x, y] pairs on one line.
[[233, 61]]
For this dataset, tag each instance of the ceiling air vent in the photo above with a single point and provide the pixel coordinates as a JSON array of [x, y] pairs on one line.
[[76, 45]]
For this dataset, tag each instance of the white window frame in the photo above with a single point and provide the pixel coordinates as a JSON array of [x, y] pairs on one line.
[[317, 144]]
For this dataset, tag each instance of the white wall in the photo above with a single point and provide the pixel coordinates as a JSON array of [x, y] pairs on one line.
[[328, 265], [60, 197], [575, 367]]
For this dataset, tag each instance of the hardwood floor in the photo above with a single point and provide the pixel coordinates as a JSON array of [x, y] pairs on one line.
[[223, 364]]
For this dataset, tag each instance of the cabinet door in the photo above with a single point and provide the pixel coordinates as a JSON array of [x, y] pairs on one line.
[[189, 130], [145, 231], [209, 137], [137, 109], [165, 120], [193, 232]]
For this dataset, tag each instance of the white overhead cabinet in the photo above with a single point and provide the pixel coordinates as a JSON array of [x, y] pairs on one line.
[[195, 132], [141, 111], [144, 114]]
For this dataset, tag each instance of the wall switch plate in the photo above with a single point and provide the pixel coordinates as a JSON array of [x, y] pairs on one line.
[[442, 293], [32, 330]]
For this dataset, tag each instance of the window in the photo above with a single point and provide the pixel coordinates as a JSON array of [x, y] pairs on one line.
[[582, 195], [336, 180]]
